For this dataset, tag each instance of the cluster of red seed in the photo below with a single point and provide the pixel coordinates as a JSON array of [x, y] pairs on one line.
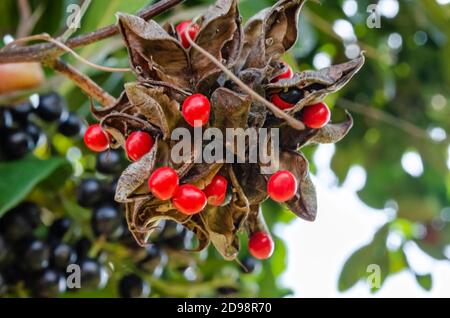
[[189, 199]]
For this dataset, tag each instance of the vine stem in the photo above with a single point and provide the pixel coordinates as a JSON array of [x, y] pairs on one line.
[[82, 81], [48, 38], [291, 121], [41, 52], [385, 117]]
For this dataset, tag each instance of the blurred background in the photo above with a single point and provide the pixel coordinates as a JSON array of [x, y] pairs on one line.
[[383, 191]]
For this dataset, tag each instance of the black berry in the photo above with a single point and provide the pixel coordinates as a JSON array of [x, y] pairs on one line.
[[70, 126], [50, 107], [107, 221], [16, 143], [63, 255], [21, 111], [33, 131], [82, 247], [249, 265], [93, 275], [35, 255], [59, 228], [49, 284], [109, 162], [133, 286], [15, 226], [3, 250], [89, 193], [154, 260], [292, 96]]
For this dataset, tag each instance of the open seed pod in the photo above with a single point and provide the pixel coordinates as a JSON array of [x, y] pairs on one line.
[[167, 73]]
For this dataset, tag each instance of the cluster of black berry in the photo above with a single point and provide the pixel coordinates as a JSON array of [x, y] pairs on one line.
[[37, 246], [21, 125], [35, 258]]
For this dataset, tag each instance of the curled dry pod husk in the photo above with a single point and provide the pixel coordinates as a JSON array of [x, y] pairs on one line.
[[167, 74]]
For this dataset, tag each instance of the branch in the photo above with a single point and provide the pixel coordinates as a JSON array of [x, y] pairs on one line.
[[82, 81], [385, 117], [41, 52]]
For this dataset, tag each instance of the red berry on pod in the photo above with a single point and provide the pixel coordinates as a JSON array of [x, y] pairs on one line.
[[96, 138], [189, 199], [282, 186], [163, 183], [192, 30], [261, 245], [316, 116], [196, 110], [216, 191], [288, 73], [138, 144]]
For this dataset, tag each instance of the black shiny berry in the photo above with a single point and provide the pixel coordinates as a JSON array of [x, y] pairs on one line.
[[107, 221], [34, 131], [21, 111], [93, 274], [50, 107], [31, 211], [6, 118], [180, 241], [133, 286], [82, 248], [34, 255], [109, 190], [49, 284], [154, 261], [3, 250], [63, 255], [16, 143], [71, 125], [226, 291], [170, 230], [110, 162], [292, 95], [249, 265], [16, 224], [59, 228], [3, 285], [89, 193]]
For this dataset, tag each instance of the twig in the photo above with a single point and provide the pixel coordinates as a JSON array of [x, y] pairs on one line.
[[291, 121], [71, 30], [25, 18], [385, 117], [48, 38], [82, 81], [41, 52], [326, 27]]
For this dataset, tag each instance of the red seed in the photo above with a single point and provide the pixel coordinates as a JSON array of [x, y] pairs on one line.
[[316, 116], [193, 31], [261, 245], [282, 186], [96, 138], [216, 191], [138, 144], [189, 199], [196, 110], [163, 183]]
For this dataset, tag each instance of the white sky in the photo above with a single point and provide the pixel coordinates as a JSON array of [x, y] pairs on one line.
[[318, 250]]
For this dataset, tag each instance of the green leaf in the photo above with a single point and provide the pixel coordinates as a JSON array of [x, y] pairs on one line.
[[425, 281], [19, 177], [436, 251], [357, 265]]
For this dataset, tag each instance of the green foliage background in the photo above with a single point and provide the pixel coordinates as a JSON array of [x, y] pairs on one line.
[[397, 99]]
